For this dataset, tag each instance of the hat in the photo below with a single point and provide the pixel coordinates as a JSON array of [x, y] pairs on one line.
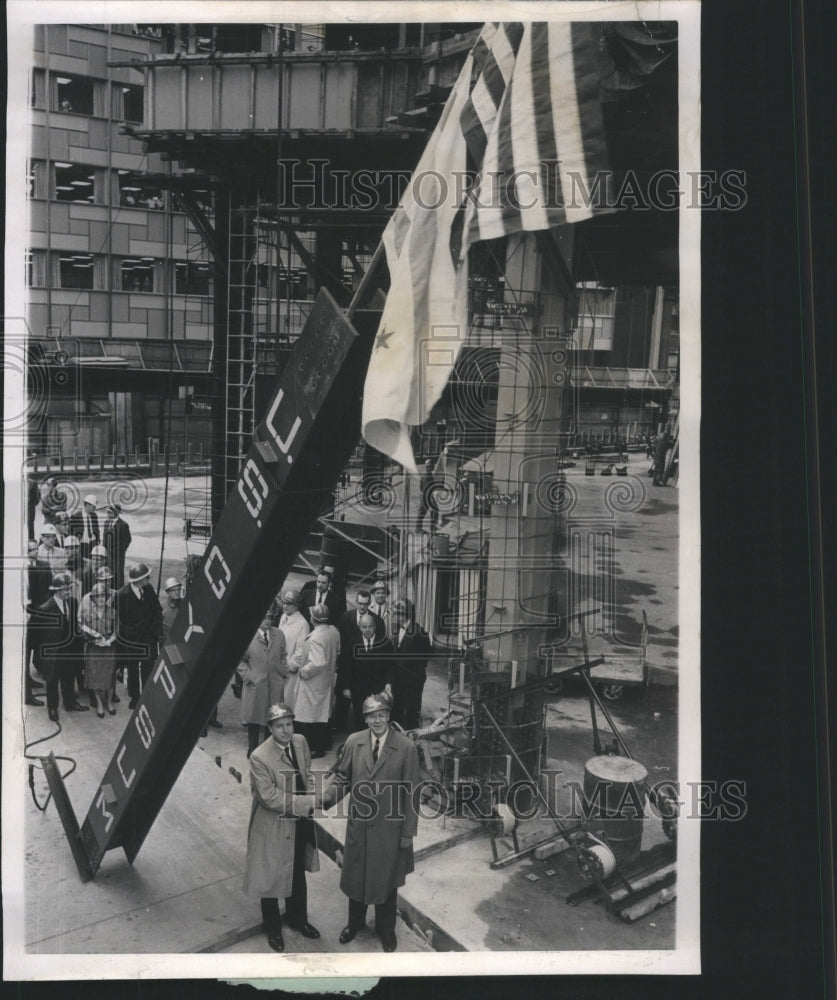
[[279, 711], [99, 550], [61, 515], [402, 607], [290, 596], [48, 529], [60, 581], [116, 507], [92, 499], [376, 703], [379, 585], [319, 613], [138, 572], [103, 573], [70, 541], [171, 582]]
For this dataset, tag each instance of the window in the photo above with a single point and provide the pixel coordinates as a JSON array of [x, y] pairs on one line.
[[127, 102], [76, 270], [37, 179], [136, 274], [192, 277], [74, 94], [75, 182], [136, 191], [596, 307]]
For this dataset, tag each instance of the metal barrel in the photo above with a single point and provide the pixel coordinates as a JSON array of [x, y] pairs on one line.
[[615, 789]]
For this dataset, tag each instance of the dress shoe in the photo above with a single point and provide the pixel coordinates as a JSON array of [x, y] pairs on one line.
[[116, 699], [37, 685], [33, 701], [316, 754], [347, 934], [75, 707], [276, 941], [305, 929], [216, 724], [132, 704], [389, 941], [53, 715]]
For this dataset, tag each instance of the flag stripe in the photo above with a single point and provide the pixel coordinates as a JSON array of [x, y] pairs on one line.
[[550, 188], [566, 117], [524, 177]]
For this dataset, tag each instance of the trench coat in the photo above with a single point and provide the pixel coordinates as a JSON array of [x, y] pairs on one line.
[[295, 629], [262, 671], [317, 661], [273, 819], [381, 812]]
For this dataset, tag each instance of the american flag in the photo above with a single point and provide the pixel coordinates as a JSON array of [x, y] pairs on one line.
[[524, 119]]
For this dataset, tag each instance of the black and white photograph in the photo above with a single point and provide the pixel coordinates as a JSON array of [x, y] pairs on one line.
[[352, 549]]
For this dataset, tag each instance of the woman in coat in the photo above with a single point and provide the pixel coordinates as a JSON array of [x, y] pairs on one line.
[[262, 670], [316, 668], [281, 840], [97, 621]]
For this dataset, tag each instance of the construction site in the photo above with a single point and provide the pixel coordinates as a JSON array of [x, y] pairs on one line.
[[221, 406]]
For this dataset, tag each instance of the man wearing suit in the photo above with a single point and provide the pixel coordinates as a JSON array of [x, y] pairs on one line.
[[84, 524], [262, 670], [382, 765], [58, 645], [116, 537], [326, 594], [380, 605], [368, 668], [139, 624], [412, 651], [350, 637], [281, 839]]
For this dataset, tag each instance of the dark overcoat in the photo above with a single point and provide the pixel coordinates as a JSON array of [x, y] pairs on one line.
[[381, 811]]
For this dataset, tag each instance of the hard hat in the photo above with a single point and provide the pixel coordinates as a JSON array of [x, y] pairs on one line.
[[291, 596], [103, 573], [48, 529], [319, 613], [60, 581], [279, 711], [138, 573], [99, 550], [92, 499], [70, 541], [171, 582], [376, 703]]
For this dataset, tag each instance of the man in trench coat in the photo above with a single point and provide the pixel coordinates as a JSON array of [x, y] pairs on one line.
[[262, 670], [281, 839], [380, 768]]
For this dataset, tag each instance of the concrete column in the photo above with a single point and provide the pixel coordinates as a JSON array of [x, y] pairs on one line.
[[522, 575]]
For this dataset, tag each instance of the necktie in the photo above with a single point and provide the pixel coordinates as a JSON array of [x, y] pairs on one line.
[[264, 640], [375, 750], [298, 782]]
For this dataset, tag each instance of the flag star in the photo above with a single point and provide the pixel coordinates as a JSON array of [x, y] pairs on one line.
[[382, 338]]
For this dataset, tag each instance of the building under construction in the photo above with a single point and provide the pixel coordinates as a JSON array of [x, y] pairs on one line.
[[262, 164]]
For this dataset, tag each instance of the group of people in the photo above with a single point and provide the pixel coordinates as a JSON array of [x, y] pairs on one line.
[[87, 630], [308, 666], [323, 661]]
